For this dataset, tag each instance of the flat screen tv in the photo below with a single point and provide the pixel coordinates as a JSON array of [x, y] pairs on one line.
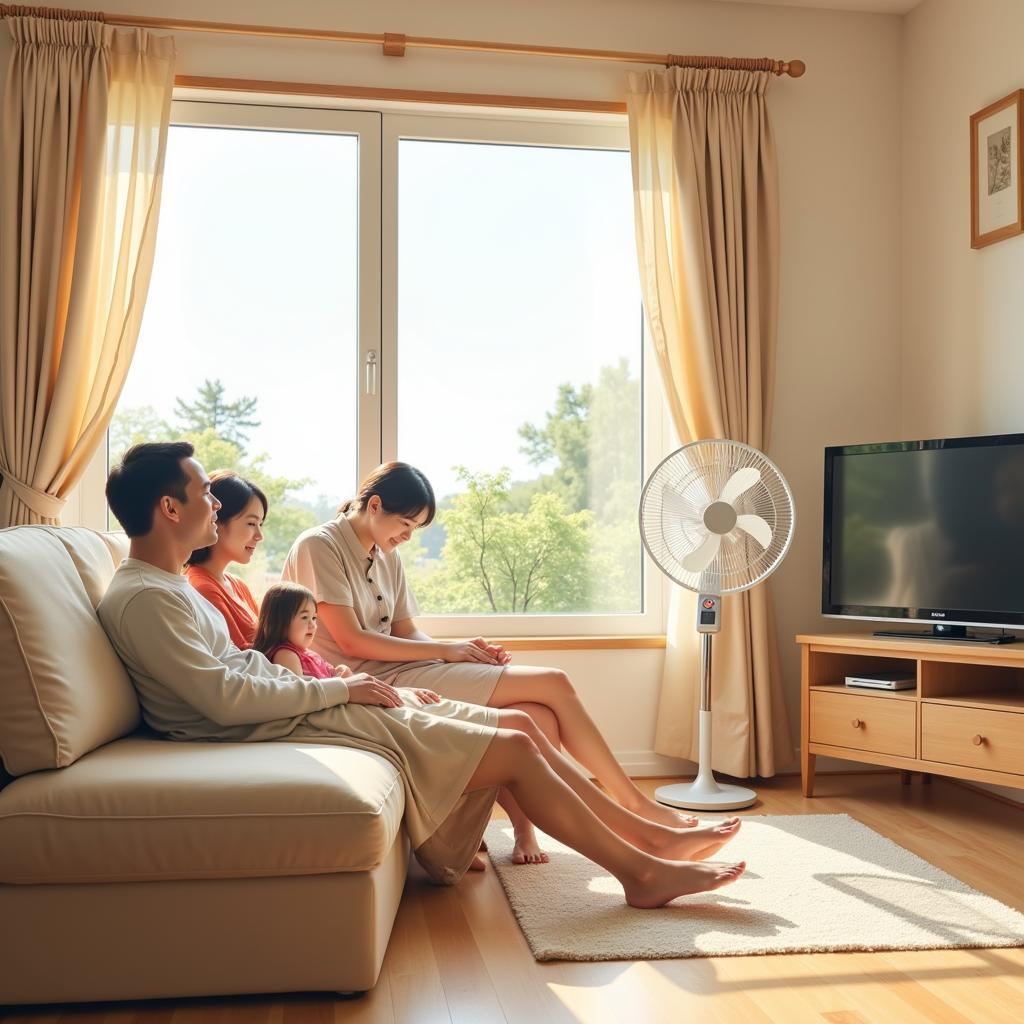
[[927, 531]]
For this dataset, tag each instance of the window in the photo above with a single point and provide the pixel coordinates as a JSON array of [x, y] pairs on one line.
[[333, 289], [250, 340]]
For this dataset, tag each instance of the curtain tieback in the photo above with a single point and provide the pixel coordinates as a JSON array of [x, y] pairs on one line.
[[48, 506]]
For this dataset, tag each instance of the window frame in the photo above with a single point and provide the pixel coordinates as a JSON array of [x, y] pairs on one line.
[[380, 132], [503, 129]]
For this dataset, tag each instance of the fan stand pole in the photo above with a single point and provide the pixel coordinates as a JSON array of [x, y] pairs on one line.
[[705, 793]]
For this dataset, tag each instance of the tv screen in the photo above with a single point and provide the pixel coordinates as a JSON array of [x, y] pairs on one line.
[[931, 531]]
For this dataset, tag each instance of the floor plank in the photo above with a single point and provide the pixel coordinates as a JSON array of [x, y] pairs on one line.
[[457, 955]]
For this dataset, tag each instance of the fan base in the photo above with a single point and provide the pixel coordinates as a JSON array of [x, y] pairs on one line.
[[700, 796]]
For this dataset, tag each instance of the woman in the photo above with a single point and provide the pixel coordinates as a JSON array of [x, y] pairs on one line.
[[239, 529], [352, 566]]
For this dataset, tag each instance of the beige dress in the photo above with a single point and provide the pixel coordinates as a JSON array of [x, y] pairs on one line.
[[330, 561], [195, 684]]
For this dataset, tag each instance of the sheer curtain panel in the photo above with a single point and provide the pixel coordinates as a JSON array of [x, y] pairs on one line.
[[85, 114], [706, 205]]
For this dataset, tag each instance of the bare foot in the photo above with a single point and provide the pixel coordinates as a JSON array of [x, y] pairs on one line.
[[665, 881], [644, 807], [695, 843], [526, 849], [478, 863]]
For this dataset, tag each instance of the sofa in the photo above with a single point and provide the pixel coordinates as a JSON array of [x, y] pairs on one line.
[[134, 867]]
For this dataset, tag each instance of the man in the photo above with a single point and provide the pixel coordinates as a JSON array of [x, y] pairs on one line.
[[194, 684]]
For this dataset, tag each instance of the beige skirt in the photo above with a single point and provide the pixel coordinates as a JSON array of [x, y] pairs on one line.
[[436, 749], [461, 680]]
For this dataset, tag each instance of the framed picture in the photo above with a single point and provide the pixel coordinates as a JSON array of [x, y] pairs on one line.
[[997, 185]]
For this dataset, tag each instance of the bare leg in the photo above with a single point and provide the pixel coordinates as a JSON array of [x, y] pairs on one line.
[[513, 760], [580, 736], [526, 849], [694, 843]]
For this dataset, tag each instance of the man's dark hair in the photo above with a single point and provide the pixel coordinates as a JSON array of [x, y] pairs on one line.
[[147, 473]]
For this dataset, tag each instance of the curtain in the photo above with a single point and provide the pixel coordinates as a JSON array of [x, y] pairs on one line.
[[85, 114], [706, 207]]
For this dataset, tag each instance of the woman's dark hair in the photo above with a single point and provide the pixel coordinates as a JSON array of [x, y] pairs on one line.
[[234, 493], [281, 603], [403, 491], [145, 474]]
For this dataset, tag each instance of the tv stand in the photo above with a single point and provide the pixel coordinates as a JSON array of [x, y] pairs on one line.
[[940, 631], [964, 718]]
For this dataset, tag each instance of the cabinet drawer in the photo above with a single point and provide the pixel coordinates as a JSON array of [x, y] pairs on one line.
[[973, 737], [879, 724]]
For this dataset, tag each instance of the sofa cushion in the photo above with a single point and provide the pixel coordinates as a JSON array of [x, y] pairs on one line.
[[144, 808], [63, 689], [96, 556]]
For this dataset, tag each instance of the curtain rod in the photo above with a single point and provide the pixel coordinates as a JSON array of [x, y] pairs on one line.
[[394, 44]]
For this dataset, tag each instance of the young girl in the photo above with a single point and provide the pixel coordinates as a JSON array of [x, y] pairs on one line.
[[287, 628]]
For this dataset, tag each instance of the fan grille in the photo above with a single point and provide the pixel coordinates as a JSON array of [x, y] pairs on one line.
[[672, 515]]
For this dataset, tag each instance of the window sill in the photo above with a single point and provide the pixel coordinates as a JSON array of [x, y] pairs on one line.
[[581, 643]]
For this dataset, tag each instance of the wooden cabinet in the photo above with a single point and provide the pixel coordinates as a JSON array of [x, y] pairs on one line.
[[964, 717]]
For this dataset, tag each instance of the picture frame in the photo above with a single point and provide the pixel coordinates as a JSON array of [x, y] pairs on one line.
[[997, 181]]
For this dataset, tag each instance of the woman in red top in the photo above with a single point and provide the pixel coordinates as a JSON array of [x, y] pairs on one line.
[[239, 530]]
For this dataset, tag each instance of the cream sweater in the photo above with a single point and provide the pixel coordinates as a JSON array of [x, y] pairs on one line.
[[192, 681]]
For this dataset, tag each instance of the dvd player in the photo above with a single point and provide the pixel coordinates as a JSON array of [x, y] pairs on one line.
[[883, 680]]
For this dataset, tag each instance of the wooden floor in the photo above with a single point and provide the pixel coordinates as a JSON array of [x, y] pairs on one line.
[[457, 955]]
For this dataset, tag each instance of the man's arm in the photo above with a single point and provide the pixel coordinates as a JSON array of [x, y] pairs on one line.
[[160, 633]]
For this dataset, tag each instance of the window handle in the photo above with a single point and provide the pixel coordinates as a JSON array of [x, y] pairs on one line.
[[371, 372]]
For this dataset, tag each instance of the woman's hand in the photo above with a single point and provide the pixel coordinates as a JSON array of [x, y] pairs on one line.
[[498, 651], [370, 690], [424, 696], [477, 650]]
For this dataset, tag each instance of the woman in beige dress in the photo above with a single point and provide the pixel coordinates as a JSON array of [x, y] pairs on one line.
[[352, 566]]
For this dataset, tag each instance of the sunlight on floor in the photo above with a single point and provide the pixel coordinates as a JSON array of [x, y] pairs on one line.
[[627, 992]]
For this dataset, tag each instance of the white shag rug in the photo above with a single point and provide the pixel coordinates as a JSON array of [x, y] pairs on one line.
[[814, 883]]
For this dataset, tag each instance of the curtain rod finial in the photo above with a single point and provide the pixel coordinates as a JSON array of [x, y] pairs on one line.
[[795, 68]]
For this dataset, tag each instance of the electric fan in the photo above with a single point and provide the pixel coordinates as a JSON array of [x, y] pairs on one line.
[[717, 518]]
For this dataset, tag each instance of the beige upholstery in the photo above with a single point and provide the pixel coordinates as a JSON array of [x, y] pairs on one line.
[[147, 940], [96, 557], [133, 867], [63, 690], [150, 809]]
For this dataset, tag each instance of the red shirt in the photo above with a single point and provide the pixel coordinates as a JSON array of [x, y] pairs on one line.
[[233, 599]]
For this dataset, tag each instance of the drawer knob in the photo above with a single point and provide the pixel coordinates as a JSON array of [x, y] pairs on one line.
[[857, 723], [978, 740]]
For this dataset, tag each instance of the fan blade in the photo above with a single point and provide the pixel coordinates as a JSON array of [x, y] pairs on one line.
[[700, 558], [757, 528], [674, 502], [740, 481]]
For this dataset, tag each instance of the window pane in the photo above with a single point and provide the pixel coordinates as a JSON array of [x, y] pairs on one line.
[[519, 364], [248, 345]]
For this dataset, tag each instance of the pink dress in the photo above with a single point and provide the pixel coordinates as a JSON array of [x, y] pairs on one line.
[[312, 664]]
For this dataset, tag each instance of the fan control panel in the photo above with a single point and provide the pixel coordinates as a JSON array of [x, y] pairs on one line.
[[709, 613]]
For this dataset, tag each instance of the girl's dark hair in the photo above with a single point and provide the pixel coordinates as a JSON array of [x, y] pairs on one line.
[[281, 603], [403, 491], [234, 493]]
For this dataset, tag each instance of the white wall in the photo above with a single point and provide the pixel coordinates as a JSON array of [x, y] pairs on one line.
[[963, 309], [838, 133]]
